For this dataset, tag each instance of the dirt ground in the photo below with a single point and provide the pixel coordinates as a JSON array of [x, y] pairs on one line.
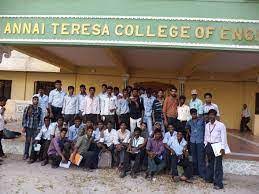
[[16, 176]]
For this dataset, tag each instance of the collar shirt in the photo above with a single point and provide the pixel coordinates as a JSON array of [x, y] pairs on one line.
[[70, 105], [137, 142], [1, 119], [43, 102], [176, 146], [123, 137], [81, 101], [73, 132], [245, 113], [55, 130], [215, 133], [32, 117], [158, 110], [96, 135], [56, 98], [170, 106], [122, 106], [197, 129], [108, 103], [196, 104], [183, 113], [168, 136], [45, 132], [208, 107], [155, 146], [110, 138], [92, 105], [148, 104]]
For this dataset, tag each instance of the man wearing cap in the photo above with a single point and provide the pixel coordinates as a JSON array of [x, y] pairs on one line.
[[196, 103]]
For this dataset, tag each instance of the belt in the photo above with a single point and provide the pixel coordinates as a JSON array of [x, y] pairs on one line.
[[183, 121]]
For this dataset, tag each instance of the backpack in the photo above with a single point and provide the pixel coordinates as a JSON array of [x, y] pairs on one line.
[[105, 159]]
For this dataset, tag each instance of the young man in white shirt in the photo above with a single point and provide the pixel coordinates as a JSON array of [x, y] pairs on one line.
[[134, 153], [209, 105], [92, 107], [43, 102], [108, 107], [245, 119], [183, 112], [70, 106], [215, 132], [43, 138], [3, 101], [81, 99], [123, 138], [56, 99]]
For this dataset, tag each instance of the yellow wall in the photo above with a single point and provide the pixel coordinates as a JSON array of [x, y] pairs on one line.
[[228, 95]]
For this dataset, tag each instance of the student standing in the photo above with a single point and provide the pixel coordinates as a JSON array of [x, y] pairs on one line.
[[209, 105], [3, 101], [148, 101], [245, 119], [215, 132], [123, 108], [70, 106], [42, 138], [81, 99], [196, 103], [179, 156], [31, 123], [170, 108], [43, 102], [108, 107], [195, 130], [136, 109], [155, 150], [56, 99], [157, 109], [59, 149], [92, 107], [183, 112]]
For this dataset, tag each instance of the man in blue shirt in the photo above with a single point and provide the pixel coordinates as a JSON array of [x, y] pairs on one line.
[[196, 103], [73, 131], [196, 128]]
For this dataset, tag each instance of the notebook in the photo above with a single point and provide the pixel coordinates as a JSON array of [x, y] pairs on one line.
[[217, 147], [65, 165], [77, 160]]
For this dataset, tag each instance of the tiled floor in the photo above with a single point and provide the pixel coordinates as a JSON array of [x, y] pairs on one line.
[[244, 146]]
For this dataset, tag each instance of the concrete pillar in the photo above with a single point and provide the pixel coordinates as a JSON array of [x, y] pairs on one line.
[[125, 78]]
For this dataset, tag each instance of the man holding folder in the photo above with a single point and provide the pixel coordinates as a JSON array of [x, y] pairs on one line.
[[215, 133]]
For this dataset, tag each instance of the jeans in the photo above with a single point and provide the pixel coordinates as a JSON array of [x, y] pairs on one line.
[[134, 123], [148, 120], [198, 159], [92, 117], [69, 119], [119, 156], [56, 111], [243, 124], [125, 118], [90, 159], [214, 171], [30, 135], [128, 157], [109, 118], [173, 121], [155, 165], [184, 162]]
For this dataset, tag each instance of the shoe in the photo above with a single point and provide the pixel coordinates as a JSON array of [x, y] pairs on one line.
[[217, 187], [147, 175], [31, 161], [133, 175], [122, 174], [44, 162], [25, 156]]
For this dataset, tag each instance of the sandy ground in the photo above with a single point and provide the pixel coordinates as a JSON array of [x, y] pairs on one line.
[[16, 176]]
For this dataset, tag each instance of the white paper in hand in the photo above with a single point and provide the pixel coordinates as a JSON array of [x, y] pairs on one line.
[[65, 165], [217, 147]]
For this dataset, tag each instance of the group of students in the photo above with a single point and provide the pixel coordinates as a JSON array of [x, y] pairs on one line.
[[139, 128]]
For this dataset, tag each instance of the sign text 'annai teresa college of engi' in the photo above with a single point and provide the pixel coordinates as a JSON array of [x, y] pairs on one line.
[[235, 34]]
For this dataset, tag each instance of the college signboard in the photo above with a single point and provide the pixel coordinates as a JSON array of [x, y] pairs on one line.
[[143, 31]]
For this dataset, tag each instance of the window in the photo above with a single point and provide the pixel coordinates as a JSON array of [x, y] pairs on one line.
[[47, 86], [5, 88]]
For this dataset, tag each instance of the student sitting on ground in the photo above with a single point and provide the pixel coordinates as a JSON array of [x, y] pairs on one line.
[[171, 133], [133, 153], [83, 147], [179, 156], [88, 123], [155, 150], [109, 140], [74, 129], [59, 149], [57, 127], [121, 147], [97, 132], [43, 138]]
